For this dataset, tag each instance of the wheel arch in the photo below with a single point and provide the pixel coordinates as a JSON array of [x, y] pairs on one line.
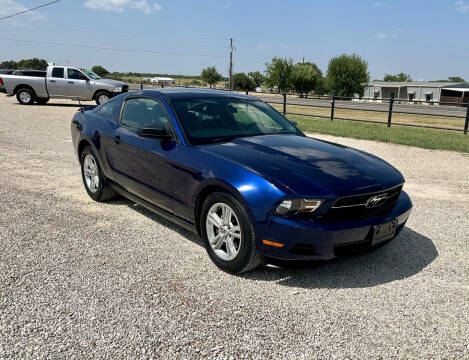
[[101, 91], [22, 86], [81, 146], [212, 186]]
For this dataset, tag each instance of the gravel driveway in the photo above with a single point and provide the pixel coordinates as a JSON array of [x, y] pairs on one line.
[[80, 279]]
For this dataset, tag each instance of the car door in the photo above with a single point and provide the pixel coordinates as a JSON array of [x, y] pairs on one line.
[[56, 82], [78, 85], [142, 165]]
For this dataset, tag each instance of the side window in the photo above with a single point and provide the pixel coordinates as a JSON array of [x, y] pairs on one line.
[[107, 109], [75, 74], [58, 72], [145, 113]]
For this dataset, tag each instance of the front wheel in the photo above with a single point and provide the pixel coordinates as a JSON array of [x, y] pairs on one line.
[[25, 96], [228, 234], [102, 97]]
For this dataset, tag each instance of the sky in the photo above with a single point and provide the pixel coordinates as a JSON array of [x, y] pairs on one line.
[[424, 38]]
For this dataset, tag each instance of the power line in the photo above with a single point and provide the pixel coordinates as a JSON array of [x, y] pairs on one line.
[[112, 49], [28, 10]]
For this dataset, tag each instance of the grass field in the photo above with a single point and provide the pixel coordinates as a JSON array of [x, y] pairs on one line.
[[424, 138], [413, 119]]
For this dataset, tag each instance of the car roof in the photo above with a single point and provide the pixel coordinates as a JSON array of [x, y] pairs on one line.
[[196, 93]]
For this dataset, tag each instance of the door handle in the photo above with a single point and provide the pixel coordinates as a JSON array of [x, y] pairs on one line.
[[71, 82], [116, 139], [51, 80], [78, 125]]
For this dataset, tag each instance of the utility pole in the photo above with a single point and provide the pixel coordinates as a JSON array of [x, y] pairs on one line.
[[303, 59], [231, 64]]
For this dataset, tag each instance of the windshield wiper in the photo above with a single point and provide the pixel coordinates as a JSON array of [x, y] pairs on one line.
[[222, 139]]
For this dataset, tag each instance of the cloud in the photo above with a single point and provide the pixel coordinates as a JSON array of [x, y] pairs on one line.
[[9, 7], [461, 6], [379, 3], [391, 35], [386, 36], [122, 5]]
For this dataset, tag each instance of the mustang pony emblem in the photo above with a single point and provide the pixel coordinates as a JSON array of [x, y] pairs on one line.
[[376, 201]]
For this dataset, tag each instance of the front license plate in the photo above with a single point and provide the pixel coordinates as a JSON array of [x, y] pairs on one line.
[[384, 232]]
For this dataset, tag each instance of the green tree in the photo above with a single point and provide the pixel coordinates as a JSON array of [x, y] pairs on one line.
[[210, 75], [9, 64], [279, 74], [32, 64], [257, 77], [457, 79], [401, 77], [99, 70], [347, 75], [243, 82], [305, 77]]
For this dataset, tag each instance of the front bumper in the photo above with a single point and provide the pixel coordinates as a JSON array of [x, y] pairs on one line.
[[324, 241]]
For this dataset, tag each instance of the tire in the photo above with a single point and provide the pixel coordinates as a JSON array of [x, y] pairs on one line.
[[243, 255], [91, 173], [42, 101], [25, 96], [102, 97]]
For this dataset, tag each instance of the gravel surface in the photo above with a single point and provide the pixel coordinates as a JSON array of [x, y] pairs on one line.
[[80, 279]]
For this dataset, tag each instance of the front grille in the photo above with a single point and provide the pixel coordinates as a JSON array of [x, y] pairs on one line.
[[125, 88], [356, 207]]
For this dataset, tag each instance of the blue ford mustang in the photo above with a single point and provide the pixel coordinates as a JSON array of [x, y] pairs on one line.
[[233, 170]]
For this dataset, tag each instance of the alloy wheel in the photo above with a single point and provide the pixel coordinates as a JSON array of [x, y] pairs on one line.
[[223, 231], [91, 173]]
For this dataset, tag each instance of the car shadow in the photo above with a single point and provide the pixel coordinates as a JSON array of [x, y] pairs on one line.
[[157, 218], [403, 257]]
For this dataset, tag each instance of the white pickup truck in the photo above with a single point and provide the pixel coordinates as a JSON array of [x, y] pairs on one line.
[[61, 82]]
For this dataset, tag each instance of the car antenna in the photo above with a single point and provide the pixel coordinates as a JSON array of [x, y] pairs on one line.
[[81, 106]]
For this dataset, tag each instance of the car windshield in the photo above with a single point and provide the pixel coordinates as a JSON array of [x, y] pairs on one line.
[[223, 119], [91, 74]]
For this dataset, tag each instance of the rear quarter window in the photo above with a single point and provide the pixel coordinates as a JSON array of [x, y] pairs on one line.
[[107, 109]]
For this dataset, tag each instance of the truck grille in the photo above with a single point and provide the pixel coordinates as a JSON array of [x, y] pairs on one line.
[[364, 206]]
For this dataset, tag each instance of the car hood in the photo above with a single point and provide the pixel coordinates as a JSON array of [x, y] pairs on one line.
[[110, 82], [308, 166]]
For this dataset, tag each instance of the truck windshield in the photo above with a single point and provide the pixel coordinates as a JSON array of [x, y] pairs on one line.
[[91, 74]]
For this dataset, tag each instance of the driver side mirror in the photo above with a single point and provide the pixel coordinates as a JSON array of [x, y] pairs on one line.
[[294, 123], [157, 133]]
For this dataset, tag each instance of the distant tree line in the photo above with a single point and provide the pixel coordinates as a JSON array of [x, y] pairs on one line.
[[30, 64]]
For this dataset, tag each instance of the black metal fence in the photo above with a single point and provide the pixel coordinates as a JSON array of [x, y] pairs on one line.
[[332, 103]]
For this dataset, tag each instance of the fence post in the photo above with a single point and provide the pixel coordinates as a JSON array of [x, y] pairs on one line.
[[247, 92], [466, 124], [391, 103], [332, 107], [284, 103], [141, 85]]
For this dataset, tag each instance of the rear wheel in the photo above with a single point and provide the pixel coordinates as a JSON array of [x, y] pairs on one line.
[[25, 96], [228, 234], [93, 178], [102, 97], [42, 101]]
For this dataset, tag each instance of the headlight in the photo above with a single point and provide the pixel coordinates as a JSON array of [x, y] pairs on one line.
[[295, 206], [117, 89]]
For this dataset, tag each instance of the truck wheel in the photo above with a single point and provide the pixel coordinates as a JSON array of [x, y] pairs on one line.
[[42, 101], [25, 96], [102, 97]]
